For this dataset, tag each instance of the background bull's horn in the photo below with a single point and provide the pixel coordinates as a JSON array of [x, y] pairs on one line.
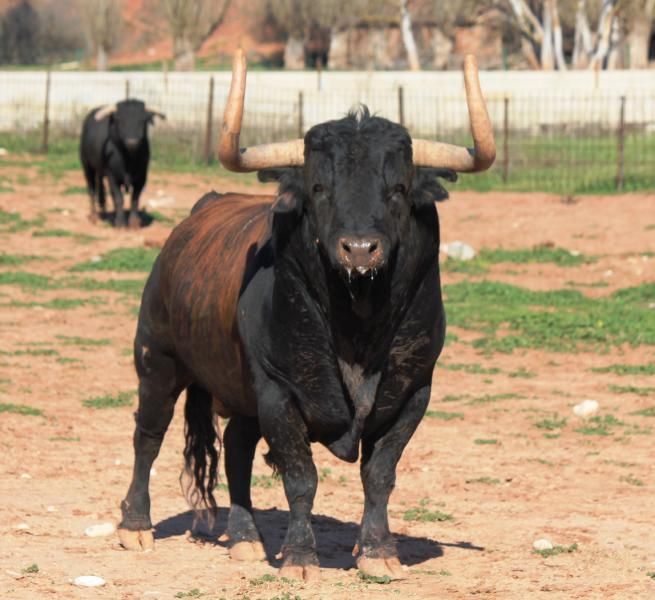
[[156, 113], [459, 158], [105, 111], [233, 158]]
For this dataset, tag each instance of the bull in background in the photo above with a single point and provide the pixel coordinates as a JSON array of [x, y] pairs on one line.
[[114, 144], [312, 316]]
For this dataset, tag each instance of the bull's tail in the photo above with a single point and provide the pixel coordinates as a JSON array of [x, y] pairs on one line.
[[200, 450]]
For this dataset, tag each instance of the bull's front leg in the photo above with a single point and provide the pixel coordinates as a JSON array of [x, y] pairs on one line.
[[117, 196], [286, 434], [134, 221], [376, 551]]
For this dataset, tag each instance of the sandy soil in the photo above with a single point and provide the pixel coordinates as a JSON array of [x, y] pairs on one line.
[[69, 468]]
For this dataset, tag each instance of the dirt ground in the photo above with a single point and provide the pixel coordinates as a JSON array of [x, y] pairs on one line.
[[505, 481]]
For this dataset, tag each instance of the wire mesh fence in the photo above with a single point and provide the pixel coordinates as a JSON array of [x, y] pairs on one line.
[[558, 141]]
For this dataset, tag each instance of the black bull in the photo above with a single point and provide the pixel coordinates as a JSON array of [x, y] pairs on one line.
[[314, 316]]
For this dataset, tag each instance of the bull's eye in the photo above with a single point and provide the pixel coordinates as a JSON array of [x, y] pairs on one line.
[[318, 188]]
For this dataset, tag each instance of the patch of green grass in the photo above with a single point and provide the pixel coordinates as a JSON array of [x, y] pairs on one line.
[[489, 398], [423, 514], [82, 238], [472, 368], [600, 425], [443, 415], [454, 397], [13, 222], [629, 479], [266, 578], [108, 401], [21, 409], [31, 352], [551, 424], [33, 568], [651, 574], [485, 480], [632, 389], [555, 550], [265, 481], [133, 287], [64, 360], [193, 593], [27, 281], [594, 284], [14, 260], [161, 218], [385, 579], [645, 412], [523, 373], [63, 438], [122, 259], [74, 340], [74, 190], [560, 320], [57, 303], [484, 442], [621, 369]]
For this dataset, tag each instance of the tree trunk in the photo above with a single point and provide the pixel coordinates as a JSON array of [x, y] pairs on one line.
[[184, 56], [547, 62], [557, 36], [101, 58], [614, 57], [582, 47], [603, 35], [639, 36], [408, 37], [294, 53]]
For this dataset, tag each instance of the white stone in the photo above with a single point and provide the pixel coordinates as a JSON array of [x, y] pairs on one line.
[[585, 408], [51, 508], [22, 526], [160, 201], [542, 544], [25, 476], [96, 258], [118, 462], [458, 250], [100, 530], [153, 472], [89, 581]]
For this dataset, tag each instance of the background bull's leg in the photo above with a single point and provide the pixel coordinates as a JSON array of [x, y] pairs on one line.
[[380, 455], [117, 195], [134, 222], [239, 442], [159, 387], [102, 199], [91, 186], [286, 434]]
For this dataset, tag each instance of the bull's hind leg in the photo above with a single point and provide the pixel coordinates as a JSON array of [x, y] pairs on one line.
[[239, 443], [376, 549], [161, 380], [91, 186]]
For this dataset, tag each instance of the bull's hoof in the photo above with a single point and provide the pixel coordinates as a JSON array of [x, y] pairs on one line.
[[381, 567], [247, 551], [309, 573], [93, 217], [140, 541], [134, 222]]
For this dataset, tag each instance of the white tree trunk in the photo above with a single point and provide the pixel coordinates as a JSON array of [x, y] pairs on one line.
[[531, 29], [557, 36], [639, 36], [546, 57], [603, 35], [184, 55], [101, 58], [408, 37], [582, 47]]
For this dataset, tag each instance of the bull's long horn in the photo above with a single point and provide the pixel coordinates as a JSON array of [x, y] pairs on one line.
[[105, 111], [459, 158], [285, 154], [157, 113]]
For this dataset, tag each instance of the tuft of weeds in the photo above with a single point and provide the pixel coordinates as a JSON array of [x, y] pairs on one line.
[[523, 373], [621, 369], [324, 473], [385, 579], [485, 441], [64, 360], [454, 397], [27, 281], [485, 480], [443, 415], [489, 398], [21, 409], [109, 401], [474, 368], [14, 260], [82, 238], [265, 481], [74, 340], [266, 578], [58, 303], [123, 260], [74, 190], [31, 352], [551, 424], [424, 514], [555, 550], [645, 412], [631, 480], [632, 389], [63, 438], [600, 425], [161, 218], [193, 593], [33, 568], [12, 222]]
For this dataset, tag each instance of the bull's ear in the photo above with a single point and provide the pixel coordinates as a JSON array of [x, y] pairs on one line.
[[268, 175], [286, 213], [285, 203], [427, 187]]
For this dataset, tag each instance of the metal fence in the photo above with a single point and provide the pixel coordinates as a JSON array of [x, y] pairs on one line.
[[551, 140]]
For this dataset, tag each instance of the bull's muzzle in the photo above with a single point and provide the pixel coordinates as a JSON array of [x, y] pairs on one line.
[[361, 255]]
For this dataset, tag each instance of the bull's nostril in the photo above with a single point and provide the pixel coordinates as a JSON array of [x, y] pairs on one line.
[[345, 246], [373, 247]]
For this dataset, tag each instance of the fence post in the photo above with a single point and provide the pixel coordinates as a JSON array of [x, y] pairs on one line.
[[505, 139], [401, 105], [621, 146], [209, 153], [127, 89], [301, 110], [319, 70], [46, 114]]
